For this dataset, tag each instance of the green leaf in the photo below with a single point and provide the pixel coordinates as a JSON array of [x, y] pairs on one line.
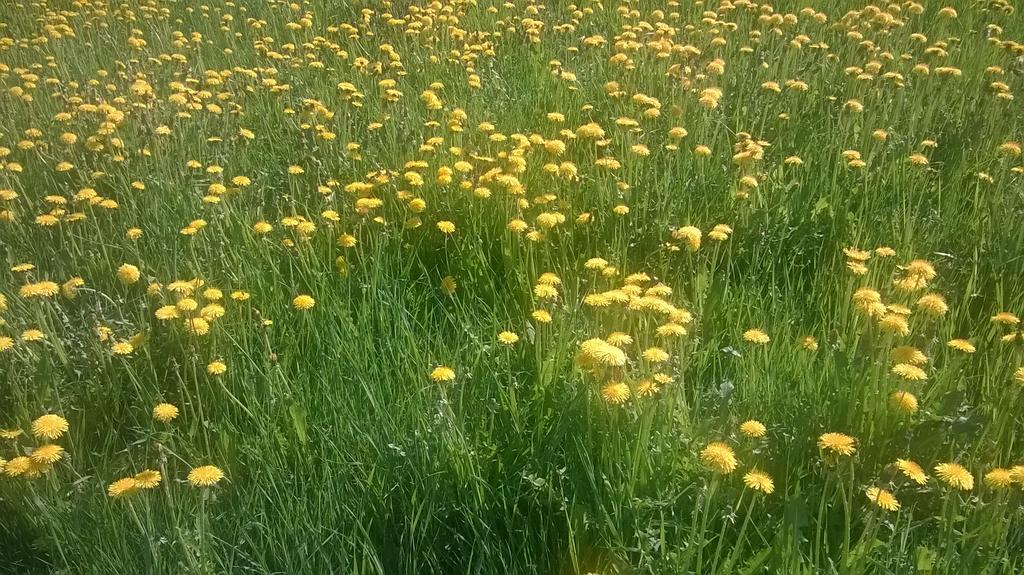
[[861, 551], [820, 206], [754, 564], [925, 559], [298, 414]]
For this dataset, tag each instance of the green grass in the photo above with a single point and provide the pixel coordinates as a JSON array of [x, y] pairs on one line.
[[341, 455]]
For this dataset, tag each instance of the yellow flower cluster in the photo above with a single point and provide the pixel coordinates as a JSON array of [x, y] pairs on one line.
[[472, 218]]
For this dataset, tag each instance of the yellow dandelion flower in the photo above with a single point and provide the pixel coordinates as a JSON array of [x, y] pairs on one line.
[[211, 312], [904, 401], [681, 316], [670, 330], [856, 268], [918, 159], [756, 336], [590, 131], [122, 348], [442, 374], [128, 274], [655, 355], [920, 268], [837, 443], [895, 324], [912, 471], [166, 312], [961, 345], [205, 476], [49, 426], [720, 233], [517, 226], [1005, 318], [508, 337], [597, 352], [857, 254], [719, 457], [690, 235], [615, 392], [122, 487], [187, 304], [18, 466], [753, 428], [39, 289], [544, 292], [147, 479], [898, 309], [165, 412], [868, 301], [47, 454], [909, 372], [883, 499], [1011, 148], [955, 475], [999, 478], [907, 354], [70, 288], [197, 326], [548, 278], [32, 335], [646, 388], [759, 481], [933, 304], [303, 302], [182, 288]]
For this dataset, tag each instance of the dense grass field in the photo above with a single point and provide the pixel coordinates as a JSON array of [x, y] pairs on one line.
[[471, 286]]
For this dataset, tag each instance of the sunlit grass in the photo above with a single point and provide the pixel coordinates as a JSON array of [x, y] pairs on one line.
[[452, 286]]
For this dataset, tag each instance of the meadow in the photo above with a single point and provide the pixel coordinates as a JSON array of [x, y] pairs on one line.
[[473, 286]]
